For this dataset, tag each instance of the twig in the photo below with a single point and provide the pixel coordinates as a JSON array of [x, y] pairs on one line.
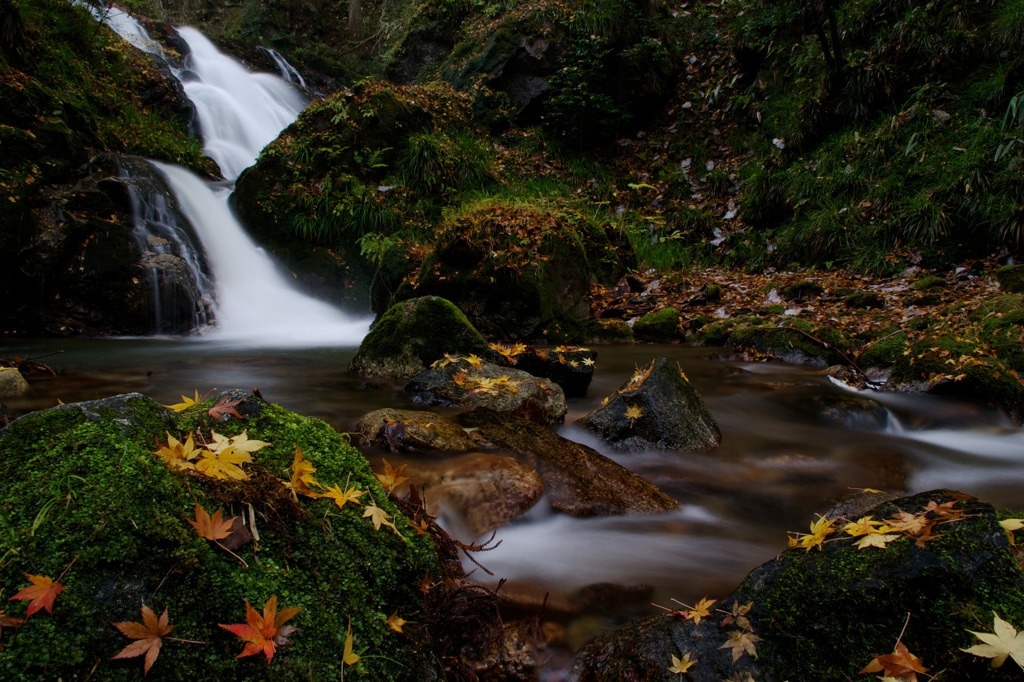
[[231, 553]]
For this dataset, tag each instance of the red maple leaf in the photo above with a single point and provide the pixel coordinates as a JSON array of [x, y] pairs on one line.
[[42, 592], [263, 633], [225, 407]]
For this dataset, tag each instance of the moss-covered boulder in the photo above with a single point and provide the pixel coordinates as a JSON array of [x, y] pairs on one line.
[[518, 272], [803, 290], [85, 495], [1002, 323], [883, 353], [824, 612], [578, 480], [606, 332], [660, 326], [413, 334], [958, 367], [1011, 278], [796, 341], [656, 409], [470, 383], [12, 383]]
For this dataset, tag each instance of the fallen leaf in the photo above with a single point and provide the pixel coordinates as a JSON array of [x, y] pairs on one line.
[[8, 622], [378, 516], [681, 665], [149, 634], [701, 610], [905, 522], [634, 412], [875, 540], [214, 528], [392, 476], [395, 622], [263, 633], [900, 664], [42, 592], [302, 476], [223, 464], [738, 615], [241, 443], [474, 360], [741, 642], [185, 403], [225, 407], [1005, 641], [177, 454], [348, 656], [341, 497], [865, 525]]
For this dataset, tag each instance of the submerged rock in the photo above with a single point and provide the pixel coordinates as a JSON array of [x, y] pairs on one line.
[[121, 538], [483, 491], [657, 409], [825, 613], [657, 327], [460, 381], [579, 480], [413, 334], [413, 430]]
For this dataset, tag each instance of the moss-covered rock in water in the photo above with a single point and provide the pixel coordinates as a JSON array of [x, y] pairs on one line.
[[883, 352], [657, 409], [515, 271], [413, 334], [797, 341], [83, 493], [825, 613], [928, 283], [606, 331], [12, 383], [659, 326], [948, 365]]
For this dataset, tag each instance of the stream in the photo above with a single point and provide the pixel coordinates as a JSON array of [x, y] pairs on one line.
[[784, 455]]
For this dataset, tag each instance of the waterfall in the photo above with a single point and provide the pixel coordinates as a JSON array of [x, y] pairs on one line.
[[240, 112], [288, 72]]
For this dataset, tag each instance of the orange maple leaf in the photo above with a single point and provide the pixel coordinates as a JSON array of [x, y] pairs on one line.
[[302, 476], [392, 476], [42, 592], [701, 610], [149, 634], [900, 664], [263, 633], [211, 528]]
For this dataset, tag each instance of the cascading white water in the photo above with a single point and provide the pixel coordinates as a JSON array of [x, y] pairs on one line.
[[288, 72], [240, 112]]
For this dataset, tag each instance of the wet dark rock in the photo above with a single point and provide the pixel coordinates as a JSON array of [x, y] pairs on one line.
[[477, 491], [413, 334], [579, 480], [672, 414], [850, 411], [571, 368], [413, 430], [797, 342], [482, 384], [809, 609]]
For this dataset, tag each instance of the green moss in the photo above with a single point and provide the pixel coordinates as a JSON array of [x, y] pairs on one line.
[[883, 353], [660, 326], [81, 483], [413, 334], [928, 283], [802, 291], [1011, 278], [607, 331], [800, 342]]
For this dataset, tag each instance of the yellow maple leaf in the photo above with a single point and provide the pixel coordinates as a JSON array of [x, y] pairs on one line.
[[681, 665], [395, 622], [474, 360], [392, 476], [865, 525], [177, 454], [634, 412], [701, 610], [820, 530], [223, 464], [875, 540], [1004, 642], [1010, 525], [348, 656], [186, 403], [446, 360], [240, 443], [302, 476], [589, 362], [340, 497], [380, 517]]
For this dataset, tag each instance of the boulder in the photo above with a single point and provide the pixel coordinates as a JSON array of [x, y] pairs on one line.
[[12, 384], [944, 364], [519, 272], [825, 611], [1011, 278], [579, 480], [482, 491], [121, 538], [797, 341], [657, 409], [413, 430], [470, 382], [660, 326], [413, 334], [570, 367]]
